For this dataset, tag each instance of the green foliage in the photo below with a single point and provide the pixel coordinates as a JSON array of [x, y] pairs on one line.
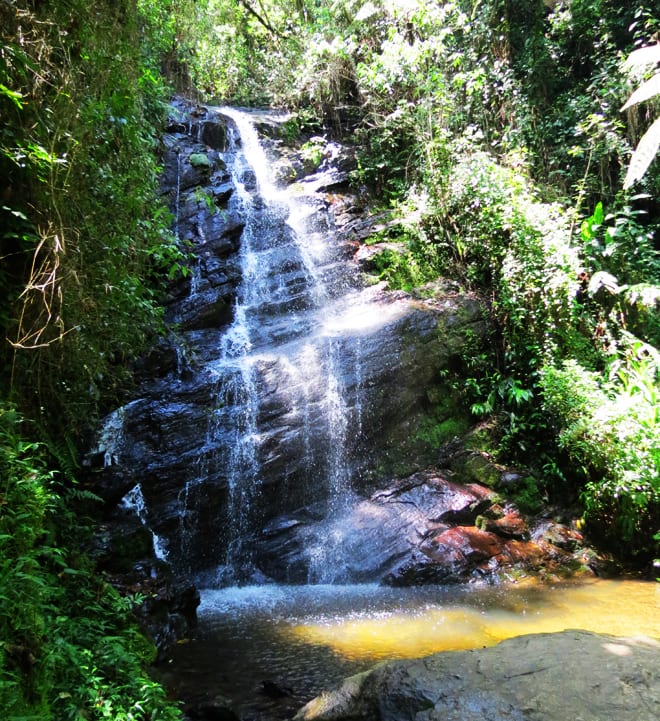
[[86, 246], [78, 151], [312, 152], [611, 432], [239, 51], [68, 646], [619, 243], [327, 78], [403, 270], [528, 496], [493, 234], [619, 253]]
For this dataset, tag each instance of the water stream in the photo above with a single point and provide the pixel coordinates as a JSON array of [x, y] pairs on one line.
[[281, 336], [306, 639]]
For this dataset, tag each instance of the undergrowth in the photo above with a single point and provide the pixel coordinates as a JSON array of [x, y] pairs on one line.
[[69, 645]]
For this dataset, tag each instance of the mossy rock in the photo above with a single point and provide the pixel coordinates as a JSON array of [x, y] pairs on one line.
[[483, 437], [478, 468], [200, 161]]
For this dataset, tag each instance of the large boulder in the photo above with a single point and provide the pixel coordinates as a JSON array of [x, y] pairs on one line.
[[424, 529], [545, 677]]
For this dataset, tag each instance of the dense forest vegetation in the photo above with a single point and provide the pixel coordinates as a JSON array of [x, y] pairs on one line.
[[491, 131]]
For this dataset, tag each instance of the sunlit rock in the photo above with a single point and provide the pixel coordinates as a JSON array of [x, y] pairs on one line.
[[553, 677]]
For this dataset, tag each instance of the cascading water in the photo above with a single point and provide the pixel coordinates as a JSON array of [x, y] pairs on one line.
[[277, 336], [177, 196], [269, 411], [134, 501]]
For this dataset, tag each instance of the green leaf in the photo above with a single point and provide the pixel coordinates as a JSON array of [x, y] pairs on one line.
[[14, 96], [648, 89], [599, 214], [643, 156]]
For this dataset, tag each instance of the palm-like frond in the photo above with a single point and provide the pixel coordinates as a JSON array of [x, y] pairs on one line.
[[647, 147], [643, 156], [644, 56], [646, 90]]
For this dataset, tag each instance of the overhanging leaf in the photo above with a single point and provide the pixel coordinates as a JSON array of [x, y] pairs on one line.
[[644, 56], [646, 90], [643, 156]]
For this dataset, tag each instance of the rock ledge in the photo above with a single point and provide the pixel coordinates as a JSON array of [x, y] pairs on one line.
[[542, 677]]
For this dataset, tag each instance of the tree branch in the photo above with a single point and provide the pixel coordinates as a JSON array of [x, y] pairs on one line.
[[262, 20]]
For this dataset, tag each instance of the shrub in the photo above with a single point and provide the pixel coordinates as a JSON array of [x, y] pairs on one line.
[[611, 433], [69, 647], [90, 241]]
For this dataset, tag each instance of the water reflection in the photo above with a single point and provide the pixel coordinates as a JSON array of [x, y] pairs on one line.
[[308, 638]]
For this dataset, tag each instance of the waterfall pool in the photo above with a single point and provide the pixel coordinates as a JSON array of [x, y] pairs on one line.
[[303, 639]]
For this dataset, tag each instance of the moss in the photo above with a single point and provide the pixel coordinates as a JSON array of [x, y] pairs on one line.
[[437, 434], [483, 437], [200, 160], [528, 496], [479, 468]]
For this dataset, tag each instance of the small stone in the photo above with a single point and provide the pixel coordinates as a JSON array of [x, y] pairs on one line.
[[510, 480]]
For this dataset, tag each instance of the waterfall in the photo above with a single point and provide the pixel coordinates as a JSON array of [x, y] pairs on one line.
[[277, 339], [273, 406], [177, 196], [134, 501]]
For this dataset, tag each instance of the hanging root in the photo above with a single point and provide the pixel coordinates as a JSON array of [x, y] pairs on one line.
[[40, 322]]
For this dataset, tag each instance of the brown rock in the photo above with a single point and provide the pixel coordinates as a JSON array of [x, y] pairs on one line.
[[462, 544], [526, 553], [511, 525]]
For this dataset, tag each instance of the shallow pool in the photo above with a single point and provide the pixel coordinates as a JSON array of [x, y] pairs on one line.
[[303, 639]]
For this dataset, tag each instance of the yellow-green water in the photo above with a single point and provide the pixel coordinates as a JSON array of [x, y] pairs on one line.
[[624, 608], [308, 638]]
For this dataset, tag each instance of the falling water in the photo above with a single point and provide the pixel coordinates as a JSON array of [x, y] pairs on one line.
[[271, 390], [134, 501], [282, 290], [177, 196]]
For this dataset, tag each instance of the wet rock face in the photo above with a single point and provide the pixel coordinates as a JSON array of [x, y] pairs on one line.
[[284, 385], [424, 529], [549, 677]]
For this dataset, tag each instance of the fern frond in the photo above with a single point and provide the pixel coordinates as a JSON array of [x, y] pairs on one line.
[[82, 494]]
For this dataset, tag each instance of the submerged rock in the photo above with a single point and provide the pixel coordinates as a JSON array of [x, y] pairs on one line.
[[544, 677]]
